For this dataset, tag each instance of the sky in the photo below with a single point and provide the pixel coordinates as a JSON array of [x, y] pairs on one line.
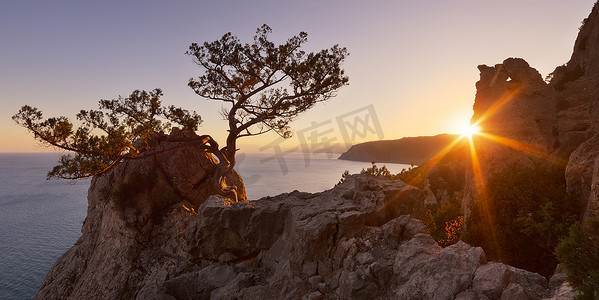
[[412, 64]]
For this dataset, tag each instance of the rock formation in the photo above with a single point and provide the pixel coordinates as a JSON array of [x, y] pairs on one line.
[[513, 103], [355, 241], [556, 120], [129, 209], [578, 84]]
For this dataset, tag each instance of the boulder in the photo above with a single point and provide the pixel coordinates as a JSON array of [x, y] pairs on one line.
[[499, 281]]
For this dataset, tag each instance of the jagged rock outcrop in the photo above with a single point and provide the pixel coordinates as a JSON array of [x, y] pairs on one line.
[[516, 109], [559, 119], [578, 83], [513, 101], [355, 241]]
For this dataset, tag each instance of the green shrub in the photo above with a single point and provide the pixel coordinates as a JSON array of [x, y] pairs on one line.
[[413, 176], [579, 255], [525, 213], [448, 179], [444, 179], [444, 221], [378, 172], [448, 218]]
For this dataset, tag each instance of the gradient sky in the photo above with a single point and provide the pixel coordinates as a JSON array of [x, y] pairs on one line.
[[414, 61]]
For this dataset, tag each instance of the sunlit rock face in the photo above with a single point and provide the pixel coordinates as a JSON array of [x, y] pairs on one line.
[[135, 217], [359, 240], [578, 85], [586, 47], [516, 111], [513, 101], [560, 120]]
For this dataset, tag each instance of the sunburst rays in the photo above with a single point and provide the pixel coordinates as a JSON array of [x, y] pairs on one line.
[[480, 133]]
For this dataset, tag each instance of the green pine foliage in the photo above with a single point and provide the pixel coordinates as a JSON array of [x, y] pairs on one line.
[[522, 218], [374, 170], [579, 255], [120, 129]]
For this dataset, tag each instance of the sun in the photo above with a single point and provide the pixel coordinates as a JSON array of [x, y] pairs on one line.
[[470, 131]]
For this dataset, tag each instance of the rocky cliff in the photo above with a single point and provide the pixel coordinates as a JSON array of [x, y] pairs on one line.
[[517, 111], [130, 210], [355, 241], [408, 150], [543, 123], [578, 86]]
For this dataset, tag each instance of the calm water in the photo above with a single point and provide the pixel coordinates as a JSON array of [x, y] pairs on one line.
[[265, 175], [40, 219]]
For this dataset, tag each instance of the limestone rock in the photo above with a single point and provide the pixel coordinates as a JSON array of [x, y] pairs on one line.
[[513, 103], [425, 270], [561, 288], [200, 284], [560, 119], [586, 47], [291, 246], [565, 291], [135, 226], [495, 280], [578, 84]]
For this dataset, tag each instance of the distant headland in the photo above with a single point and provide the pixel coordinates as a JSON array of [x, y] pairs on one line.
[[407, 150]]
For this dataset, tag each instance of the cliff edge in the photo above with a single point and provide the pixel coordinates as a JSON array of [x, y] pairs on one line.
[[359, 240], [528, 121]]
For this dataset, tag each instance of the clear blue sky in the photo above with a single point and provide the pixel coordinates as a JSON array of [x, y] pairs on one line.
[[414, 61]]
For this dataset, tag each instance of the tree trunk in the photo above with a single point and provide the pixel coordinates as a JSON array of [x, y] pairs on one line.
[[226, 157], [231, 149]]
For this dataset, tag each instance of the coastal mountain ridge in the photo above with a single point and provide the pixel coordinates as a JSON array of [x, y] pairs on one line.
[[407, 150]]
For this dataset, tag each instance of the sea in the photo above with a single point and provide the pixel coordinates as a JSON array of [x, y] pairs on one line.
[[40, 219]]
